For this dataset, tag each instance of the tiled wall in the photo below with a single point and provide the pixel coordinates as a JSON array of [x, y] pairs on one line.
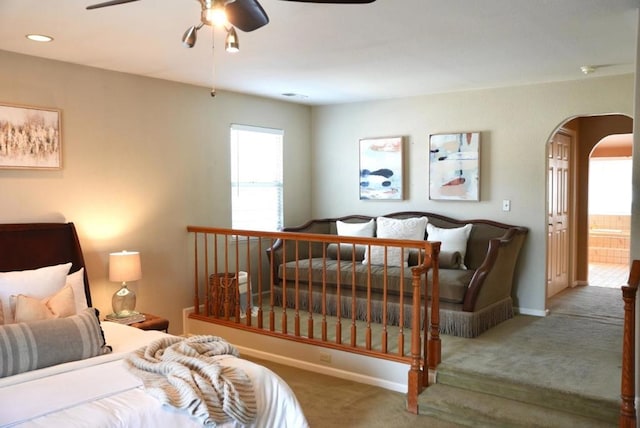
[[609, 238]]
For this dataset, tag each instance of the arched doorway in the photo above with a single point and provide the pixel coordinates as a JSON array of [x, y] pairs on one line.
[[571, 263], [610, 168]]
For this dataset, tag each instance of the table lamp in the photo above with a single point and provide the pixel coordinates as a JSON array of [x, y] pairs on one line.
[[124, 266]]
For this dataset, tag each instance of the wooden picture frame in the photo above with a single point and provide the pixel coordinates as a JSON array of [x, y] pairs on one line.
[[30, 137], [381, 175], [454, 166]]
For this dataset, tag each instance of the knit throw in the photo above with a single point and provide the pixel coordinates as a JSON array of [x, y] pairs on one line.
[[183, 373]]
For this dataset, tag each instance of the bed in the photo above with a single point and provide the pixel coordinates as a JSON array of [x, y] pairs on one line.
[[76, 369]]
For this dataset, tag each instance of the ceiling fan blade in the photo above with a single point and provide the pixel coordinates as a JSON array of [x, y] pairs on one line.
[[246, 15], [335, 1], [109, 3]]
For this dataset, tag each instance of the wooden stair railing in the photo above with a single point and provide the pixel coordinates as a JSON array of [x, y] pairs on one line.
[[218, 259], [627, 385]]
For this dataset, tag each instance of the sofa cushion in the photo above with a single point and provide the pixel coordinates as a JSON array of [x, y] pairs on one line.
[[453, 282], [454, 239], [346, 251], [392, 228]]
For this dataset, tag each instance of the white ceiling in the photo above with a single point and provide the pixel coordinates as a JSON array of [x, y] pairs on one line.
[[340, 53]]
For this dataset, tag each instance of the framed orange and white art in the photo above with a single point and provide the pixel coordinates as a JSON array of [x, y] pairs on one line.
[[454, 166]]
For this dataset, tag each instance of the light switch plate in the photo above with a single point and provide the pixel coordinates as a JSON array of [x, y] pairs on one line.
[[506, 205]]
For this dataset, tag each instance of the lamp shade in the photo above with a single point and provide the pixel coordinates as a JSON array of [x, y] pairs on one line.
[[124, 266]]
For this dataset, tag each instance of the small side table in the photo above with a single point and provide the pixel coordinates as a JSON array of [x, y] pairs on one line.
[[152, 322]]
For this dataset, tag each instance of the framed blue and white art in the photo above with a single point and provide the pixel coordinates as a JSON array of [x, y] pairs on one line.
[[381, 168]]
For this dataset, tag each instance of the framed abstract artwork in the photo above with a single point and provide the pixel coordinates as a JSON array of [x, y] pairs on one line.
[[381, 168], [30, 138], [454, 166]]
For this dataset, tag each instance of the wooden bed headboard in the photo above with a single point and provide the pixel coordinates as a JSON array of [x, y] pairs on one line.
[[26, 246]]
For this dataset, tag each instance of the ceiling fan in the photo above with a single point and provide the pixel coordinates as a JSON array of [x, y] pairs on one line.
[[247, 15]]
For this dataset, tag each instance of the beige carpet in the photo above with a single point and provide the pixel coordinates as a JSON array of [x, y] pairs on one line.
[[575, 350]]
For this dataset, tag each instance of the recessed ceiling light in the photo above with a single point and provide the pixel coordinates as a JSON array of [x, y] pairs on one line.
[[39, 38], [294, 95]]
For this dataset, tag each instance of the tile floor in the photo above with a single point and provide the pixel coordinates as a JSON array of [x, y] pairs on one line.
[[608, 275]]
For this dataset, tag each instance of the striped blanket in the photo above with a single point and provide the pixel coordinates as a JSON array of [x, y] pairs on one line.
[[183, 373]]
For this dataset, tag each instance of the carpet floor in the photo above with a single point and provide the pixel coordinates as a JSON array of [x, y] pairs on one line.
[[575, 350]]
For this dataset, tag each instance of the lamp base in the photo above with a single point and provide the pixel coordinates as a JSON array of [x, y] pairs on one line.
[[124, 302]]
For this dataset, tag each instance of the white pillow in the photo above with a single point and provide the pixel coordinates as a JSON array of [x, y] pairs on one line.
[[38, 283], [451, 239], [409, 228], [76, 281], [60, 305], [366, 230]]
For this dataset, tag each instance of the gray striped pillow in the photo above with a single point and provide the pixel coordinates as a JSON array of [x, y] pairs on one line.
[[37, 344]]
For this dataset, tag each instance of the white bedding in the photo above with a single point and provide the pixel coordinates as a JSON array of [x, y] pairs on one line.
[[100, 392]]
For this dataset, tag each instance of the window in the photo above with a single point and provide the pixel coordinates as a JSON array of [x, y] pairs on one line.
[[610, 186], [256, 178]]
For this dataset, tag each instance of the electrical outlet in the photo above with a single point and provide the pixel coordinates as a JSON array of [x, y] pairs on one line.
[[506, 205], [325, 358]]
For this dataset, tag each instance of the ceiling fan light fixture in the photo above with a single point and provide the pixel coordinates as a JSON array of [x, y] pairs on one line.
[[213, 13], [231, 43], [190, 36]]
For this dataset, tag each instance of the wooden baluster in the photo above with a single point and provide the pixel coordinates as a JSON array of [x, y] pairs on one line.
[[627, 408], [338, 327], [310, 331], [196, 299], [296, 295]]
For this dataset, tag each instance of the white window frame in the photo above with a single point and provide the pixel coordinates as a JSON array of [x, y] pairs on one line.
[[263, 216]]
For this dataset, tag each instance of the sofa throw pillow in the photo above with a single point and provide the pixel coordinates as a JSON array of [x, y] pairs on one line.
[[452, 240], [76, 281], [346, 251], [34, 345], [37, 283], [366, 229], [60, 305], [392, 228]]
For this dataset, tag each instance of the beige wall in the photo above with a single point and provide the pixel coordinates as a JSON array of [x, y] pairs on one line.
[[142, 159], [145, 157], [515, 122]]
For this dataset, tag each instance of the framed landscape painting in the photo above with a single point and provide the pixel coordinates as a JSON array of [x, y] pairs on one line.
[[454, 166], [30, 138], [381, 168]]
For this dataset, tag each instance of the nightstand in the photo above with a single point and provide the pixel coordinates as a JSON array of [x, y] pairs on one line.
[[152, 322]]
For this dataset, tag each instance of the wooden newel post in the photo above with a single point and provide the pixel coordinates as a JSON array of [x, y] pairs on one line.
[[415, 371], [435, 345], [627, 384]]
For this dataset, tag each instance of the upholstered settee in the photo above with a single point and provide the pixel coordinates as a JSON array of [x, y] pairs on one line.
[[476, 270]]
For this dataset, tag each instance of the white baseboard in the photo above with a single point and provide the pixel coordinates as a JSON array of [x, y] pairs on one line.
[[382, 373], [322, 369], [528, 311]]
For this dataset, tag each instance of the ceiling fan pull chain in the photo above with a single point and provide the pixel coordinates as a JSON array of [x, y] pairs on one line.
[[213, 65]]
